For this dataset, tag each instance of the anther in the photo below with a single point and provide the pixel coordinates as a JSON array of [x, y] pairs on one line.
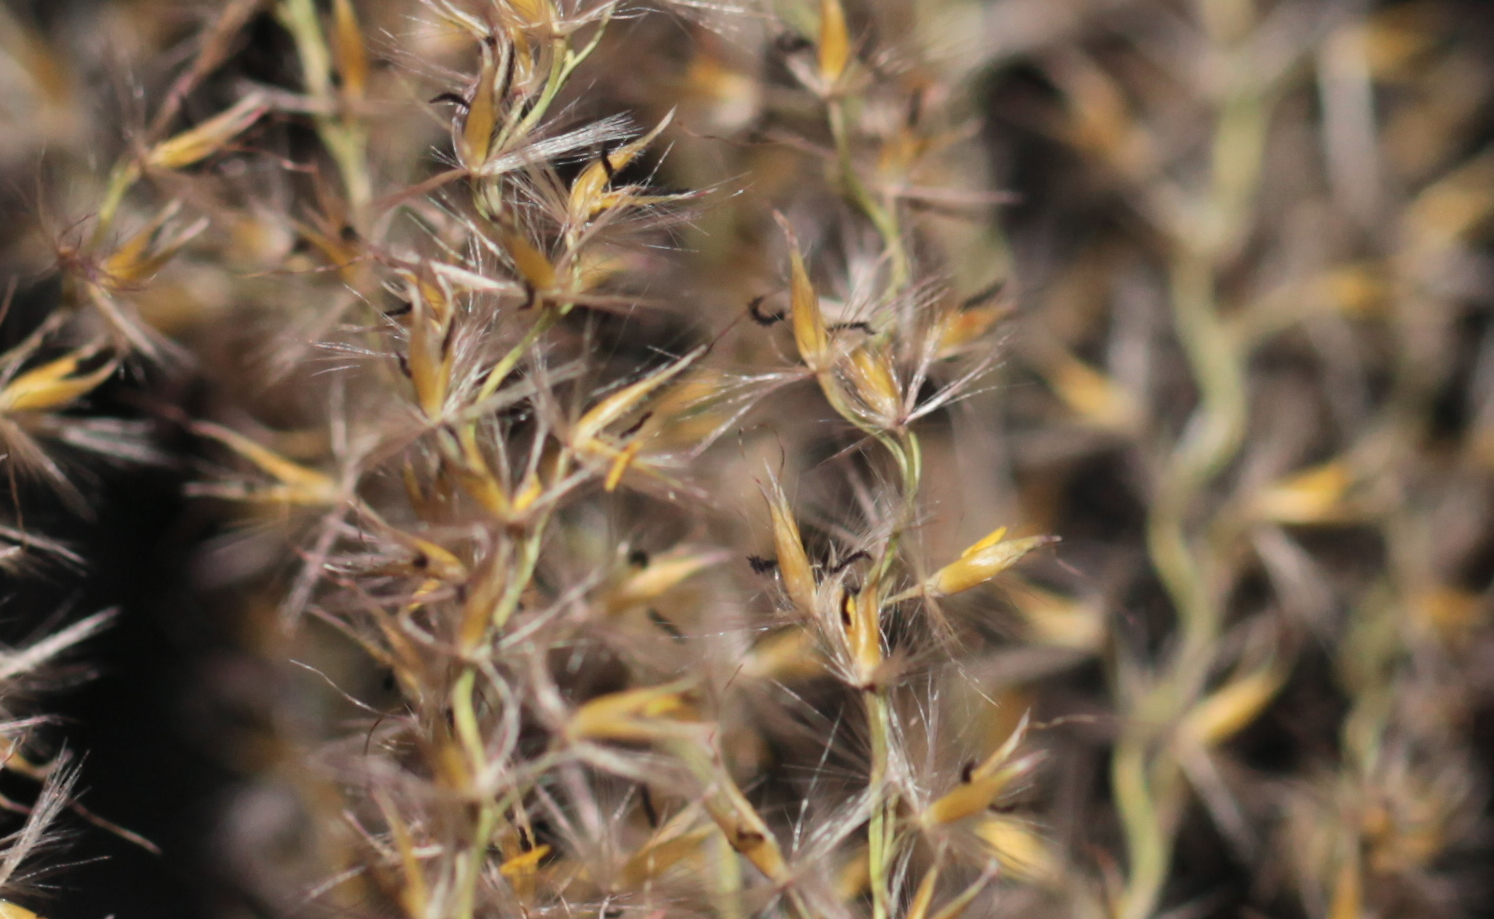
[[647, 800], [453, 98], [636, 426], [761, 565], [984, 296], [755, 310], [848, 561]]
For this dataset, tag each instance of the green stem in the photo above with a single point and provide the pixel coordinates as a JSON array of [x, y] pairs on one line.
[[879, 830], [509, 361], [1149, 791], [883, 215], [1148, 843], [124, 175], [346, 139]]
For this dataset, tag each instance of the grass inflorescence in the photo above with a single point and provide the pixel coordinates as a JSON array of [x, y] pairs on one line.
[[638, 438]]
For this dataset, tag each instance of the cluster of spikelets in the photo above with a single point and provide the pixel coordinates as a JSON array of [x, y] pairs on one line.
[[576, 722], [603, 404], [35, 394], [47, 373]]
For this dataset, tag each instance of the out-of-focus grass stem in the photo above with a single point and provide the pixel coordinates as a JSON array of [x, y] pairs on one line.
[[1147, 779], [344, 135]]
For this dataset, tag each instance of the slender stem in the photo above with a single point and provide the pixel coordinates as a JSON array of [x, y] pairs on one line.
[[345, 138], [1148, 843], [509, 361], [464, 716], [879, 831], [883, 215], [1147, 781], [881, 836], [124, 175]]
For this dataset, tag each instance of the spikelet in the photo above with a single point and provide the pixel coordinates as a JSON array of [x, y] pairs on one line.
[[983, 561]]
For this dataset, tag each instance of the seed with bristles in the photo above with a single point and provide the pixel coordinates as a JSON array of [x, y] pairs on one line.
[[1231, 708], [533, 13], [587, 192], [199, 143], [871, 375], [619, 404], [482, 113], [55, 384], [744, 828], [522, 868], [789, 654], [861, 619], [978, 793], [981, 784], [347, 48], [834, 44], [436, 561], [1020, 850], [982, 562], [533, 265], [148, 249], [793, 561], [620, 464], [647, 715], [810, 334], [429, 361], [297, 484], [657, 577]]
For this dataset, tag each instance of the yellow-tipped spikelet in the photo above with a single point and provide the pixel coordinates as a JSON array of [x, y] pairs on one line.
[[1230, 708], [589, 194], [834, 43], [810, 333], [874, 382], [294, 484], [793, 562], [984, 783], [658, 576], [861, 620], [744, 827], [1020, 849], [647, 715], [522, 869], [197, 144], [348, 49], [1319, 495], [56, 384], [982, 562]]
